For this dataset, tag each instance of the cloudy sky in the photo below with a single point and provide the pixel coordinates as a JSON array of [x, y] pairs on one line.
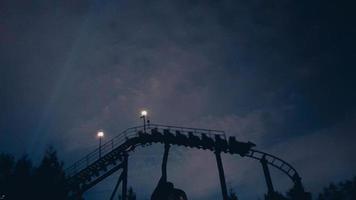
[[278, 73]]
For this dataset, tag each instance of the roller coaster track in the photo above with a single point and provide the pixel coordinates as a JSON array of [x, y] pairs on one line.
[[104, 161]]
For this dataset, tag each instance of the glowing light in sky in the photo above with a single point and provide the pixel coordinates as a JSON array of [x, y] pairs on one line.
[[100, 134], [144, 113]]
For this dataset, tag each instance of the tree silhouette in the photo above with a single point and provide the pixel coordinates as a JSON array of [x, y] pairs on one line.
[[20, 180], [50, 177], [275, 196], [232, 195], [131, 195], [341, 191], [7, 164]]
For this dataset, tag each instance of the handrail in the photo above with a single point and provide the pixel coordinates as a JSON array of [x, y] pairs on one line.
[[126, 134], [187, 128], [82, 170]]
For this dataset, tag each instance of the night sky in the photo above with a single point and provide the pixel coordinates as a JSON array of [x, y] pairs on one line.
[[278, 73]]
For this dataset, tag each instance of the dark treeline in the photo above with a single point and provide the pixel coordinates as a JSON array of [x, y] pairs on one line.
[[341, 191], [20, 179], [344, 190]]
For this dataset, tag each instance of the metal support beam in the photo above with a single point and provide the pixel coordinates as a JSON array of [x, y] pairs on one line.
[[124, 177], [267, 176], [299, 192], [298, 183], [97, 180], [116, 187], [221, 175], [164, 162]]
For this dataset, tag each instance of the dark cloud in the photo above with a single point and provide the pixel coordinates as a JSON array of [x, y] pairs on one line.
[[277, 73]]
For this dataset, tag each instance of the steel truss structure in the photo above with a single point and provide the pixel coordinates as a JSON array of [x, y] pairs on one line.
[[113, 156]]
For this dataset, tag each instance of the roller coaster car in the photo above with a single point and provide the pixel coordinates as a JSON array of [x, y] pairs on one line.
[[207, 142], [181, 139], [143, 137], [238, 147], [168, 136], [156, 135], [140, 134], [221, 144], [194, 141], [131, 141]]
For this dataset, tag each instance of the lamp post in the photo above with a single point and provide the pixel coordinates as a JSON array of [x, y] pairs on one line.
[[143, 116], [100, 135]]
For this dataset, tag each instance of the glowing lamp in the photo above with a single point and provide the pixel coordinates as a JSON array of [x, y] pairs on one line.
[[100, 134], [144, 113]]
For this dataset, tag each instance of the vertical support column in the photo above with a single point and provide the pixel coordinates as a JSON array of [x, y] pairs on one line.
[[298, 192], [298, 183], [116, 187], [99, 147], [124, 177], [144, 123], [267, 177], [221, 175], [164, 162]]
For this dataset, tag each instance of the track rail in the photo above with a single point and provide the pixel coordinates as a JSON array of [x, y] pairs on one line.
[[92, 168], [129, 133], [275, 162]]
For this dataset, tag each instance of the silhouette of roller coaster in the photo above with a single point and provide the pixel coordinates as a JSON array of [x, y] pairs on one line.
[[113, 156]]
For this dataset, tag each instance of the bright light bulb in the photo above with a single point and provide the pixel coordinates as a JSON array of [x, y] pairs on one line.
[[144, 113], [100, 133]]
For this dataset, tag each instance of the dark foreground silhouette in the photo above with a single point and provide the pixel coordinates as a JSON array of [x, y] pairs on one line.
[[19, 180], [165, 190]]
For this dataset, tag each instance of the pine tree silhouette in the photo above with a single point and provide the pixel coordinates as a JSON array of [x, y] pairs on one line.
[[20, 180]]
